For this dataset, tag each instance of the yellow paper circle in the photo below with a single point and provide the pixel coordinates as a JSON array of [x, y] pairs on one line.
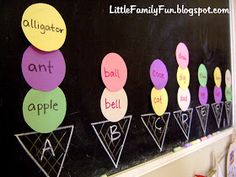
[[114, 104], [183, 77], [217, 76], [159, 99], [44, 27]]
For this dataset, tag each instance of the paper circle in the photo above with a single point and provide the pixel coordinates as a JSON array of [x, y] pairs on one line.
[[184, 98], [203, 95], [217, 94], [159, 99], [202, 75], [44, 27], [228, 93], [231, 160], [44, 111], [217, 76], [114, 104], [182, 55], [158, 74], [228, 80], [183, 77], [113, 72], [43, 70]]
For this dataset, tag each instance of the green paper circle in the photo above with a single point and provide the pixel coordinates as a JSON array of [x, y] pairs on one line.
[[202, 75], [228, 93], [44, 111]]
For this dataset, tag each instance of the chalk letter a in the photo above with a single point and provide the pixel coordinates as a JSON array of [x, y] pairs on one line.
[[47, 146]]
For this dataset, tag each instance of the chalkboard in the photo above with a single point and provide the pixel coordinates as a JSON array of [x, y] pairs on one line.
[[91, 34]]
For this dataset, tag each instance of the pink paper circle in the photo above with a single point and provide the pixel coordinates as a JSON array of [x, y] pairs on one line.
[[217, 94], [43, 70], [203, 95], [182, 55], [113, 72], [158, 74]]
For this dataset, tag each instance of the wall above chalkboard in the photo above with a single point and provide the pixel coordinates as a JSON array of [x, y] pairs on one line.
[[172, 73]]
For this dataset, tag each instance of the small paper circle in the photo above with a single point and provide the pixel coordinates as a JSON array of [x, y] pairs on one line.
[[114, 104], [158, 74], [182, 55], [44, 111], [113, 72], [217, 94], [203, 95], [184, 98], [159, 99], [183, 77], [217, 76], [44, 27], [202, 75], [228, 93], [43, 70], [228, 80]]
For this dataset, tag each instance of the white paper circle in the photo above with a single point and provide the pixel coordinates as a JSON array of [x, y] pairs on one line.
[[228, 80], [184, 98], [114, 104]]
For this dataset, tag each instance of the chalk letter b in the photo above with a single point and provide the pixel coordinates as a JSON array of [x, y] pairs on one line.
[[114, 133]]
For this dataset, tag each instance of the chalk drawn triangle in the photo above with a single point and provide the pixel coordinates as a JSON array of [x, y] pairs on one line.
[[48, 150], [228, 109], [112, 136], [184, 120], [157, 127], [203, 112], [217, 110]]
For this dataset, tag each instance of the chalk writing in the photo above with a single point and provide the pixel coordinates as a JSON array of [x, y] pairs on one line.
[[157, 127], [112, 136], [48, 150], [115, 134], [217, 110], [184, 120], [228, 109], [47, 147], [203, 112]]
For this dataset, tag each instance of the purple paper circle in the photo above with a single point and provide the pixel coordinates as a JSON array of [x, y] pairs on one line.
[[158, 74], [43, 70], [217, 94], [203, 95]]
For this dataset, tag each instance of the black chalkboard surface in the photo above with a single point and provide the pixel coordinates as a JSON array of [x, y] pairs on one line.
[[92, 33]]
